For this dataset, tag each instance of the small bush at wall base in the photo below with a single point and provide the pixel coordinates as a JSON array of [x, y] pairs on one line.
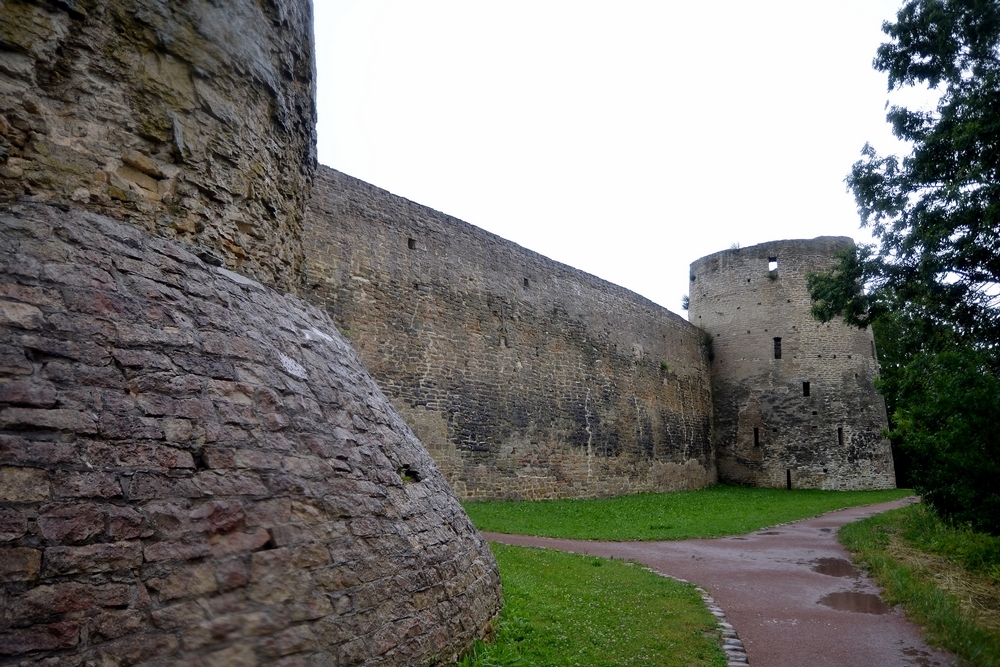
[[708, 341]]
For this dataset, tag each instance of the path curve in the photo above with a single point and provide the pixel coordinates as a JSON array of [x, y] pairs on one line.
[[776, 586]]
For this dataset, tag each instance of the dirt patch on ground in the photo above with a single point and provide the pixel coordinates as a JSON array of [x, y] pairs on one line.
[[979, 596]]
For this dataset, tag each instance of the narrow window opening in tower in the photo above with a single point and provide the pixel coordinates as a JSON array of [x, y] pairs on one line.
[[805, 388], [756, 436], [788, 478], [526, 283], [772, 263], [411, 244], [840, 436], [777, 348]]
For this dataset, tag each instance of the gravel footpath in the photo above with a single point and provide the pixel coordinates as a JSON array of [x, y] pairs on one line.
[[789, 591]]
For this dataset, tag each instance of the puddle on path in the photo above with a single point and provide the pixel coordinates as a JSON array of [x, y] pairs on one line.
[[834, 567], [918, 657], [865, 603], [770, 532], [825, 530]]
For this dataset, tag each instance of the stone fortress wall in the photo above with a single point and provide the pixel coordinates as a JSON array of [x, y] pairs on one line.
[[807, 414], [195, 468], [525, 378]]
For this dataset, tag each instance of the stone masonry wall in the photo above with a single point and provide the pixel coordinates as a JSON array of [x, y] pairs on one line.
[[768, 432], [523, 377], [196, 470], [194, 120]]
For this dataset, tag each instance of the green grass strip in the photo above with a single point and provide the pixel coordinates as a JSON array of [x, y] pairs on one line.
[[712, 512], [575, 610], [874, 543]]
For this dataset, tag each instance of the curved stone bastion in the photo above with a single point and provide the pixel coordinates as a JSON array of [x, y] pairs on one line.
[[195, 469], [198, 470]]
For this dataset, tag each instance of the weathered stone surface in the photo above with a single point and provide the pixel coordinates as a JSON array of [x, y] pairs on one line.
[[19, 564], [71, 523], [23, 484], [275, 510], [13, 524], [195, 122], [795, 401], [102, 557], [524, 378], [40, 638]]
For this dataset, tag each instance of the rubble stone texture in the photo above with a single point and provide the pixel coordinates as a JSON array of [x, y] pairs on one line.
[[812, 417], [193, 120], [198, 470], [524, 378], [195, 469]]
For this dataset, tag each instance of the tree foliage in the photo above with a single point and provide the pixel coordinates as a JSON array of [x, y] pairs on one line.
[[932, 281], [946, 418]]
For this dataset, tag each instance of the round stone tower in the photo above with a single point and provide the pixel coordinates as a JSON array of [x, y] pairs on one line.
[[194, 120], [795, 402]]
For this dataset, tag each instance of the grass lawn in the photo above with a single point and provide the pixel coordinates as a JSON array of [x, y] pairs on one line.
[[712, 512], [569, 609], [946, 579]]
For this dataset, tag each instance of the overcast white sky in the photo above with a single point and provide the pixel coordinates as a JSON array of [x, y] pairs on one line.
[[623, 138]]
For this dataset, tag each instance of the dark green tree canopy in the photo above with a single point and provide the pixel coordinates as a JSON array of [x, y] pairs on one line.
[[936, 212], [930, 287]]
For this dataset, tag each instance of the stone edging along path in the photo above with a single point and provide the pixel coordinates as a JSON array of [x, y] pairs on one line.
[[790, 590]]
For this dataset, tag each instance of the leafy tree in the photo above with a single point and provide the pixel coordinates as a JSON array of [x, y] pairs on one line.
[[947, 421], [932, 281]]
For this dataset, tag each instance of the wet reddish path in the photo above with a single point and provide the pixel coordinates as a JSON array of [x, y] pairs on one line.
[[790, 592]]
